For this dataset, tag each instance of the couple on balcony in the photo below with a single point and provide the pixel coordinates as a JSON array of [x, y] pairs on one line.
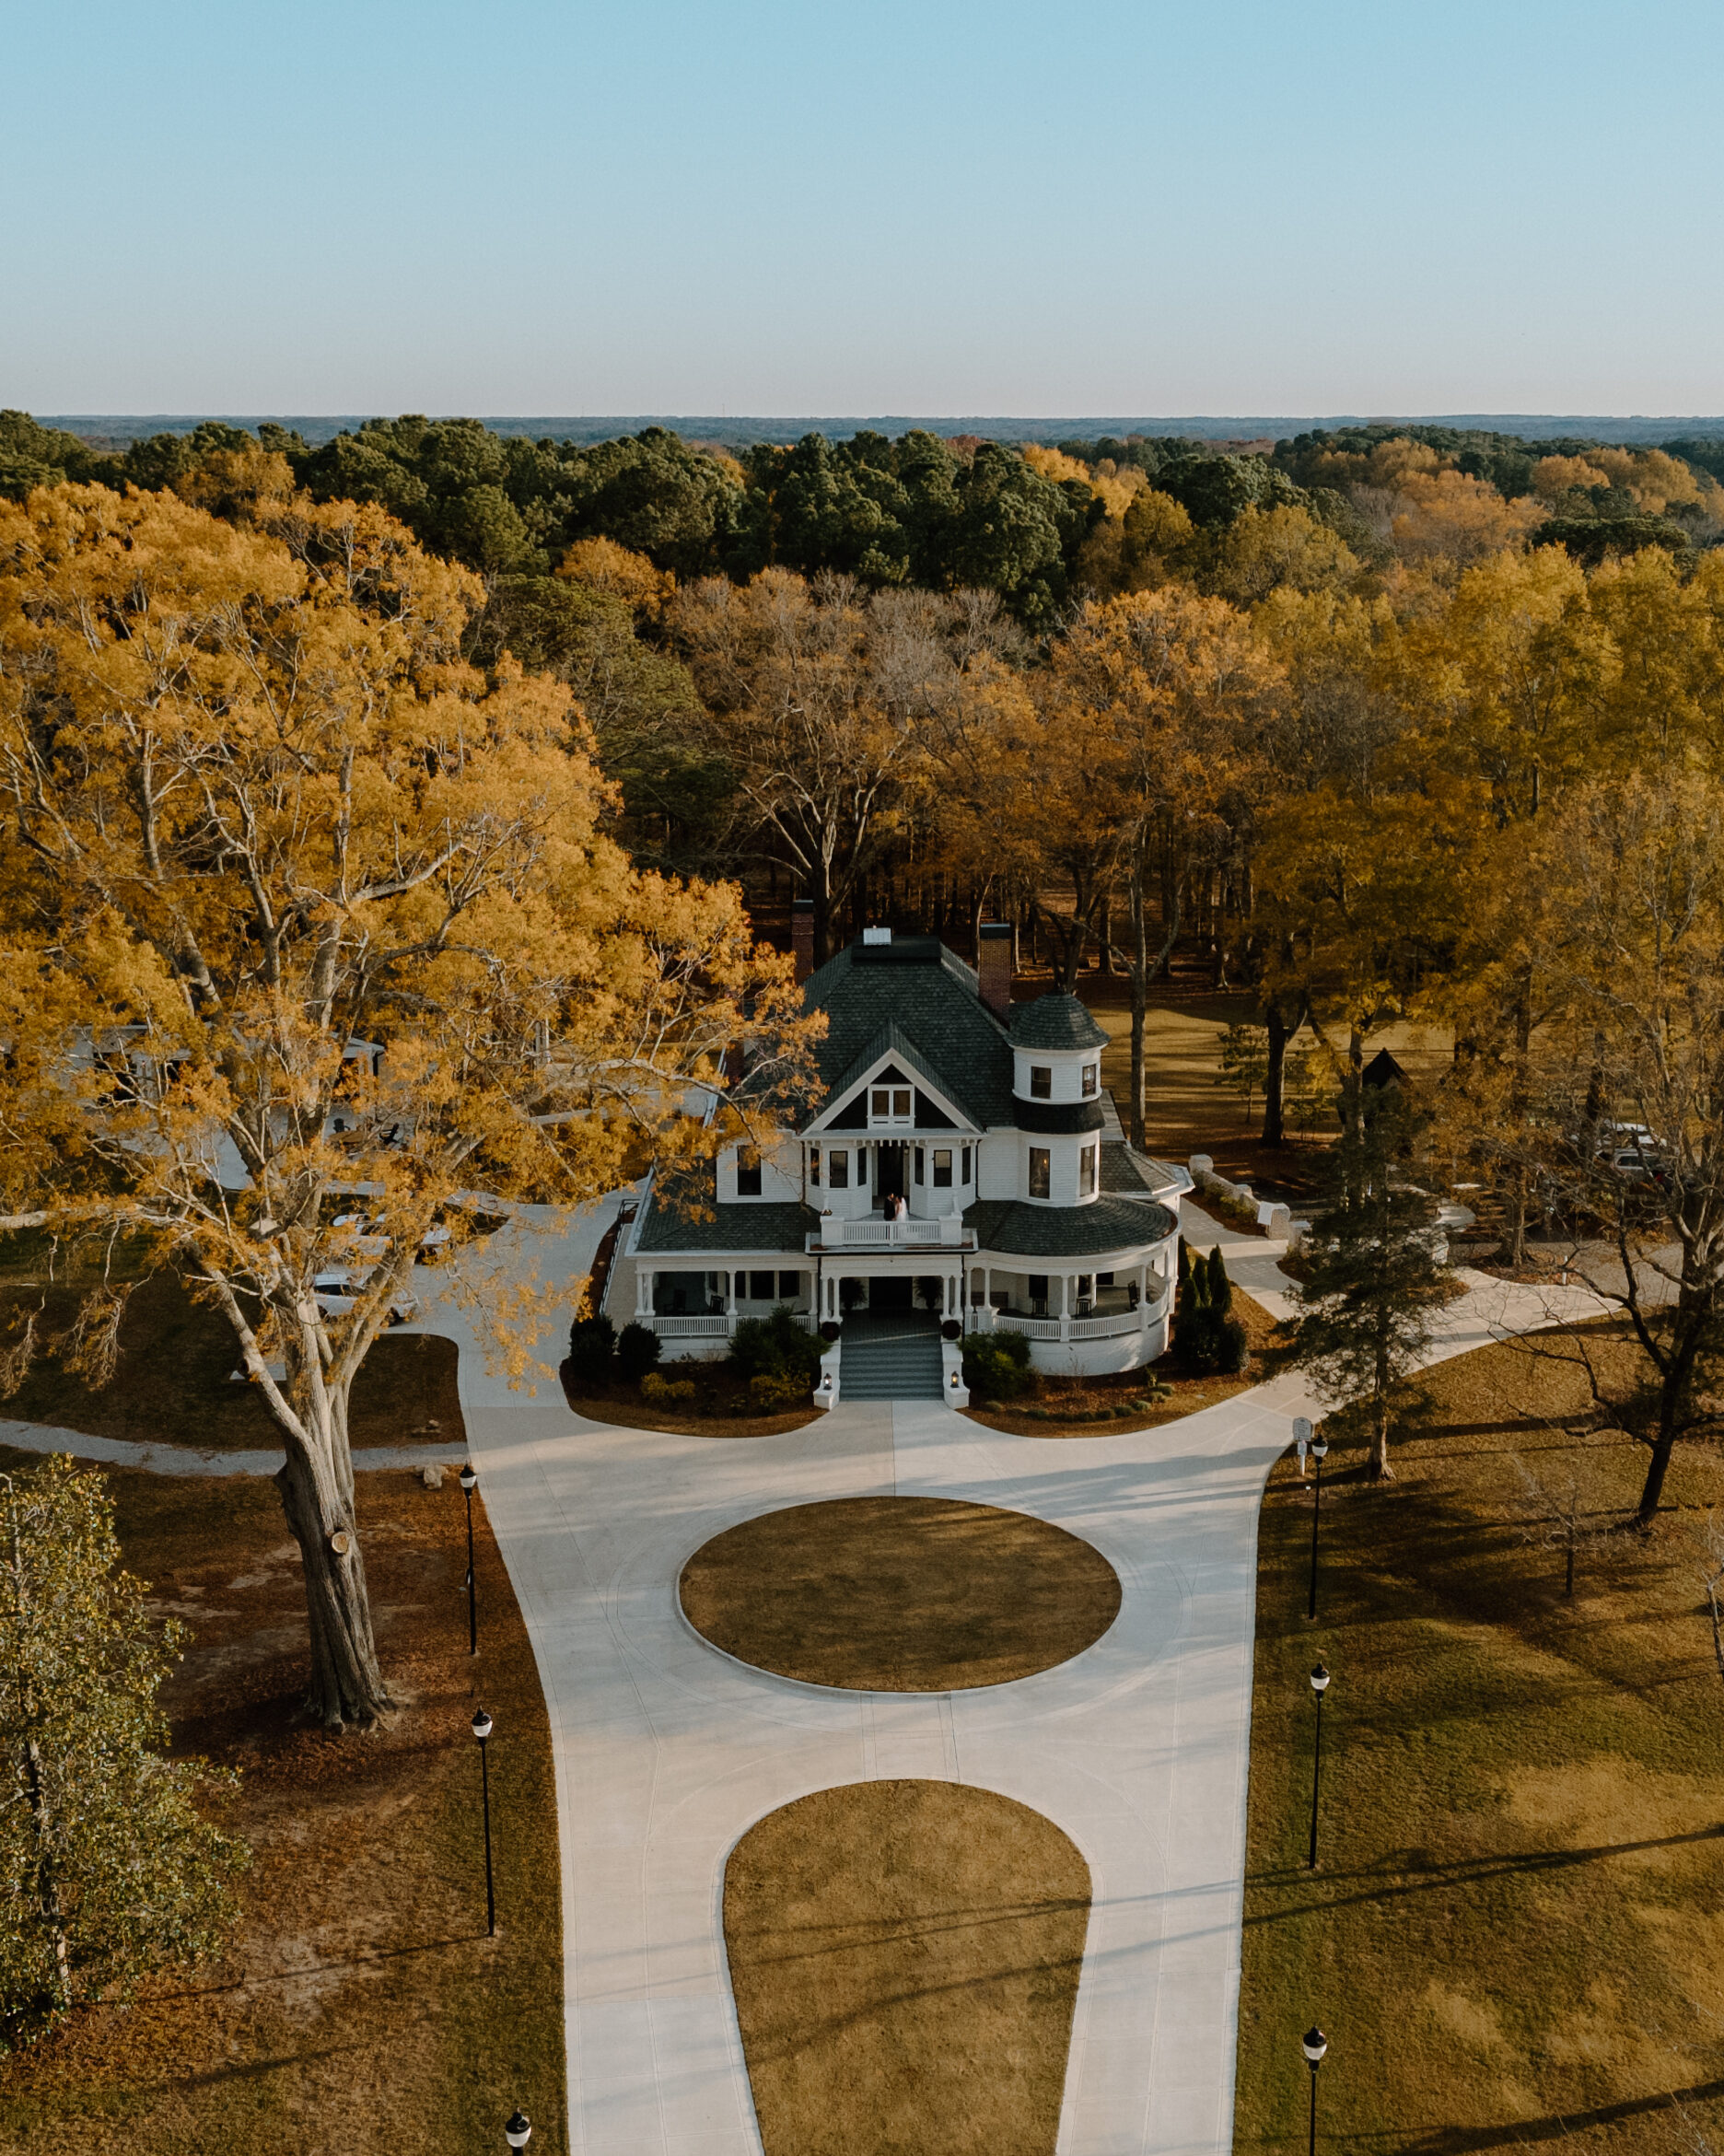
[[895, 1208]]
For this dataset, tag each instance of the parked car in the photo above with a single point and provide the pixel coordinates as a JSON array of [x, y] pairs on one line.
[[337, 1290]]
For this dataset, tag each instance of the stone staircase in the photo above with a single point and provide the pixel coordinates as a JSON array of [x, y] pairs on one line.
[[881, 1361]]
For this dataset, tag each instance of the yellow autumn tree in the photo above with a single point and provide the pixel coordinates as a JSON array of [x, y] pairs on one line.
[[295, 904]]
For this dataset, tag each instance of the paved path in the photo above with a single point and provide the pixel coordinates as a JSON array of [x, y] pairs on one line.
[[667, 1750]]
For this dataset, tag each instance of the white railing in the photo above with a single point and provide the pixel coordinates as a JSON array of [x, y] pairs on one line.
[[1032, 1328], [715, 1328], [835, 1233], [1111, 1325]]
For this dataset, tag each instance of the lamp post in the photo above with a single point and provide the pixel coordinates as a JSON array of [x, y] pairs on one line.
[[469, 1482], [1319, 1684], [519, 2130], [482, 1727], [1313, 2044], [1320, 1452]]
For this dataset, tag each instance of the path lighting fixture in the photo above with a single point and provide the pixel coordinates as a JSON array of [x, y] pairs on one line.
[[1320, 1452], [482, 1727], [518, 2131], [1313, 2044], [1319, 1684], [469, 1482]]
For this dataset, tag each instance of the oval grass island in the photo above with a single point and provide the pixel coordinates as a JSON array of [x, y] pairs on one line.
[[904, 1957], [899, 1594]]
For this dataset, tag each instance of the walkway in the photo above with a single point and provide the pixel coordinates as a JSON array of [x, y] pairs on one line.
[[668, 1751]]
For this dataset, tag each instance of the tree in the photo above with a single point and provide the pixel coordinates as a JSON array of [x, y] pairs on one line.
[[1206, 1337], [1244, 1062], [107, 1867], [1373, 1283], [1627, 1126], [292, 901]]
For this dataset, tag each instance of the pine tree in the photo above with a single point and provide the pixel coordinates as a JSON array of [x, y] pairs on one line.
[[1374, 1283], [107, 1869], [1206, 1340]]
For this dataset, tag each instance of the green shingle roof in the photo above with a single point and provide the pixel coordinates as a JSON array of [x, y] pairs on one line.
[[1068, 1231], [1056, 1020], [936, 1008], [766, 1227], [891, 1039]]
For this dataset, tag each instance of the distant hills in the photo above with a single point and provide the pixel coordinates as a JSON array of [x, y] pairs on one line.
[[116, 429]]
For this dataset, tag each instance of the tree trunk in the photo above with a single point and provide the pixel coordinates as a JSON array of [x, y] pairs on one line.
[[1139, 969], [346, 1683], [1104, 960], [1275, 1027]]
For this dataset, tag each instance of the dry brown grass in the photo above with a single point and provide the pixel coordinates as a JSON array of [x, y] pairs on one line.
[[361, 2005], [174, 1383], [624, 1406], [1513, 1938], [1082, 1396], [900, 1594], [904, 1957]]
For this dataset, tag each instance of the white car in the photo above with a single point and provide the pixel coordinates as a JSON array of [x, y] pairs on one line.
[[337, 1292]]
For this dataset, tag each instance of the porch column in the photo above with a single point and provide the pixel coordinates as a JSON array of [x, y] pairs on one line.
[[1066, 1303], [1142, 1297], [729, 1294], [643, 1293]]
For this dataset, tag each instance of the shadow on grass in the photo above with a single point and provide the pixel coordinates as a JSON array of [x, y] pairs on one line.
[[1461, 2140]]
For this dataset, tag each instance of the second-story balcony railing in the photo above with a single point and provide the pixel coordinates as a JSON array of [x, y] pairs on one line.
[[837, 1233]]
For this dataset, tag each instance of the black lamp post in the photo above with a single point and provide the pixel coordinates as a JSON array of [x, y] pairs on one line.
[[1313, 2044], [469, 1482], [1320, 1452], [481, 1725], [519, 2130], [1319, 1684]]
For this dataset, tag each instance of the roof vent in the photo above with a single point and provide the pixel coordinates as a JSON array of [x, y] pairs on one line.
[[877, 935]]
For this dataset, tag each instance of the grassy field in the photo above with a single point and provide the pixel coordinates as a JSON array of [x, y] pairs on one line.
[[1514, 1936], [904, 1957], [361, 2005], [174, 1382], [899, 1594]]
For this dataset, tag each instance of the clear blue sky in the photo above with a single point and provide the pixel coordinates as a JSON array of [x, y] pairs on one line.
[[1223, 205]]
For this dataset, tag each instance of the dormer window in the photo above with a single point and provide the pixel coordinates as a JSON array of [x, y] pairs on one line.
[[1040, 1081], [890, 1105], [747, 1173], [1091, 1079]]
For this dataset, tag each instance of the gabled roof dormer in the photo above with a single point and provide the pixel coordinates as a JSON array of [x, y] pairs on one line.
[[893, 1066]]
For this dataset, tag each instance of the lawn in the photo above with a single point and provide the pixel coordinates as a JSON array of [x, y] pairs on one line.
[[1514, 1934], [174, 1383], [899, 1594], [904, 1957], [361, 2005]]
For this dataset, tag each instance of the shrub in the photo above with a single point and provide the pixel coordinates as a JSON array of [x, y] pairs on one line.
[[773, 1389], [593, 1346], [997, 1365], [637, 1349], [661, 1392], [1208, 1342], [775, 1346]]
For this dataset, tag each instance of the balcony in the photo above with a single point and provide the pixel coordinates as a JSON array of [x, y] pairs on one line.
[[869, 1234]]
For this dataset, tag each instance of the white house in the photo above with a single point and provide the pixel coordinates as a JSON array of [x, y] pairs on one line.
[[1023, 1204]]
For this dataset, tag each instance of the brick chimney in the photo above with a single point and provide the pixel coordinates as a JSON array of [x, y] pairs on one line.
[[802, 936], [994, 965]]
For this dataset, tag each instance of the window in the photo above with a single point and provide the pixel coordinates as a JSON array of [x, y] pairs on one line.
[[966, 1165], [1091, 1079], [789, 1286], [838, 1170], [1037, 1293], [891, 1104], [1041, 1082], [759, 1286], [918, 1164], [942, 1167], [814, 1165], [1085, 1173], [747, 1173], [1039, 1178]]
